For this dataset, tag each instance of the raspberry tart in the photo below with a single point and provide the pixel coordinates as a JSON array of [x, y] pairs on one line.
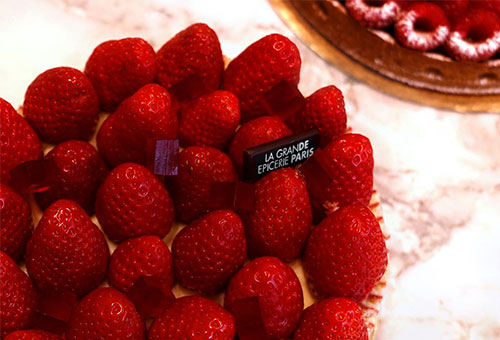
[[439, 53], [183, 243]]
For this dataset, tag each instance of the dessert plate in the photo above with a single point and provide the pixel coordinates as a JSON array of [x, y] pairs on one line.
[[374, 57]]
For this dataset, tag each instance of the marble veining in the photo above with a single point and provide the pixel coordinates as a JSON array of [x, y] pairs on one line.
[[438, 172]]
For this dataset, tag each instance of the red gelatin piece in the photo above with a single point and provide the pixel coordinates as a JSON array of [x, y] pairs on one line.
[[188, 88], [53, 311], [33, 176], [150, 297], [249, 323], [233, 196], [163, 156], [315, 169], [283, 100]]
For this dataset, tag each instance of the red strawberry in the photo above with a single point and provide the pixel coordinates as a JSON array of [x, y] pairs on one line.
[[32, 335], [346, 254], [256, 132], [18, 140], [475, 37], [325, 111], [133, 202], [17, 296], [16, 223], [209, 251], [335, 318], [118, 68], [105, 314], [193, 52], [199, 168], [67, 252], [142, 256], [81, 170], [210, 120], [347, 177], [259, 68], [279, 291], [374, 13], [423, 26], [454, 9], [61, 104], [282, 217], [147, 115], [194, 318]]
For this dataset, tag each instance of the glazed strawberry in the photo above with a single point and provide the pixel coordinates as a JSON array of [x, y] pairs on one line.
[[346, 174], [335, 318], [374, 13], [142, 256], [195, 318], [17, 296], [193, 53], [346, 254], [16, 223], [423, 26], [61, 104], [32, 335], [118, 68], [18, 140], [475, 37], [279, 292], [67, 252], [259, 68], [210, 120], [133, 202], [209, 251], [454, 9], [146, 115], [199, 168], [105, 314], [325, 111], [256, 132], [282, 218], [81, 170]]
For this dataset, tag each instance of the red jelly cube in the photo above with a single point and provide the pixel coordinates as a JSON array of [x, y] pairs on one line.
[[249, 323], [283, 100], [33, 176], [150, 297]]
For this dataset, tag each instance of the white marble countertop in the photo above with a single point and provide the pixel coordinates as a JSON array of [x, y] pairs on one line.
[[438, 172]]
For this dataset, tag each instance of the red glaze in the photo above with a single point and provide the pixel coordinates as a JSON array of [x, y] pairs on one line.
[[118, 68], [133, 202], [61, 104]]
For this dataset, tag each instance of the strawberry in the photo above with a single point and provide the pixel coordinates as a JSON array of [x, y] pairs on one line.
[[279, 292], [335, 318], [17, 296], [199, 168], [423, 26], [16, 223], [142, 256], [133, 202], [194, 318], [209, 251], [193, 53], [325, 111], [347, 174], [259, 68], [374, 13], [61, 104], [32, 335], [81, 170], [146, 115], [253, 133], [346, 254], [67, 252], [210, 120], [18, 140], [282, 217], [118, 68], [105, 314]]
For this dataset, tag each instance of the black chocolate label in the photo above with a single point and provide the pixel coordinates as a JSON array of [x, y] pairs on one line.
[[281, 153]]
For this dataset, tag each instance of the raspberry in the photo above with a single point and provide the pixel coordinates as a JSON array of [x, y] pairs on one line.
[[374, 13]]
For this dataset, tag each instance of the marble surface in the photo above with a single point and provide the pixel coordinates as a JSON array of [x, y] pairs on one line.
[[438, 172]]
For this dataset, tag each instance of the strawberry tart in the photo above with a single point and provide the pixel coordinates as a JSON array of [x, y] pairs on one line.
[[444, 53], [135, 172]]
